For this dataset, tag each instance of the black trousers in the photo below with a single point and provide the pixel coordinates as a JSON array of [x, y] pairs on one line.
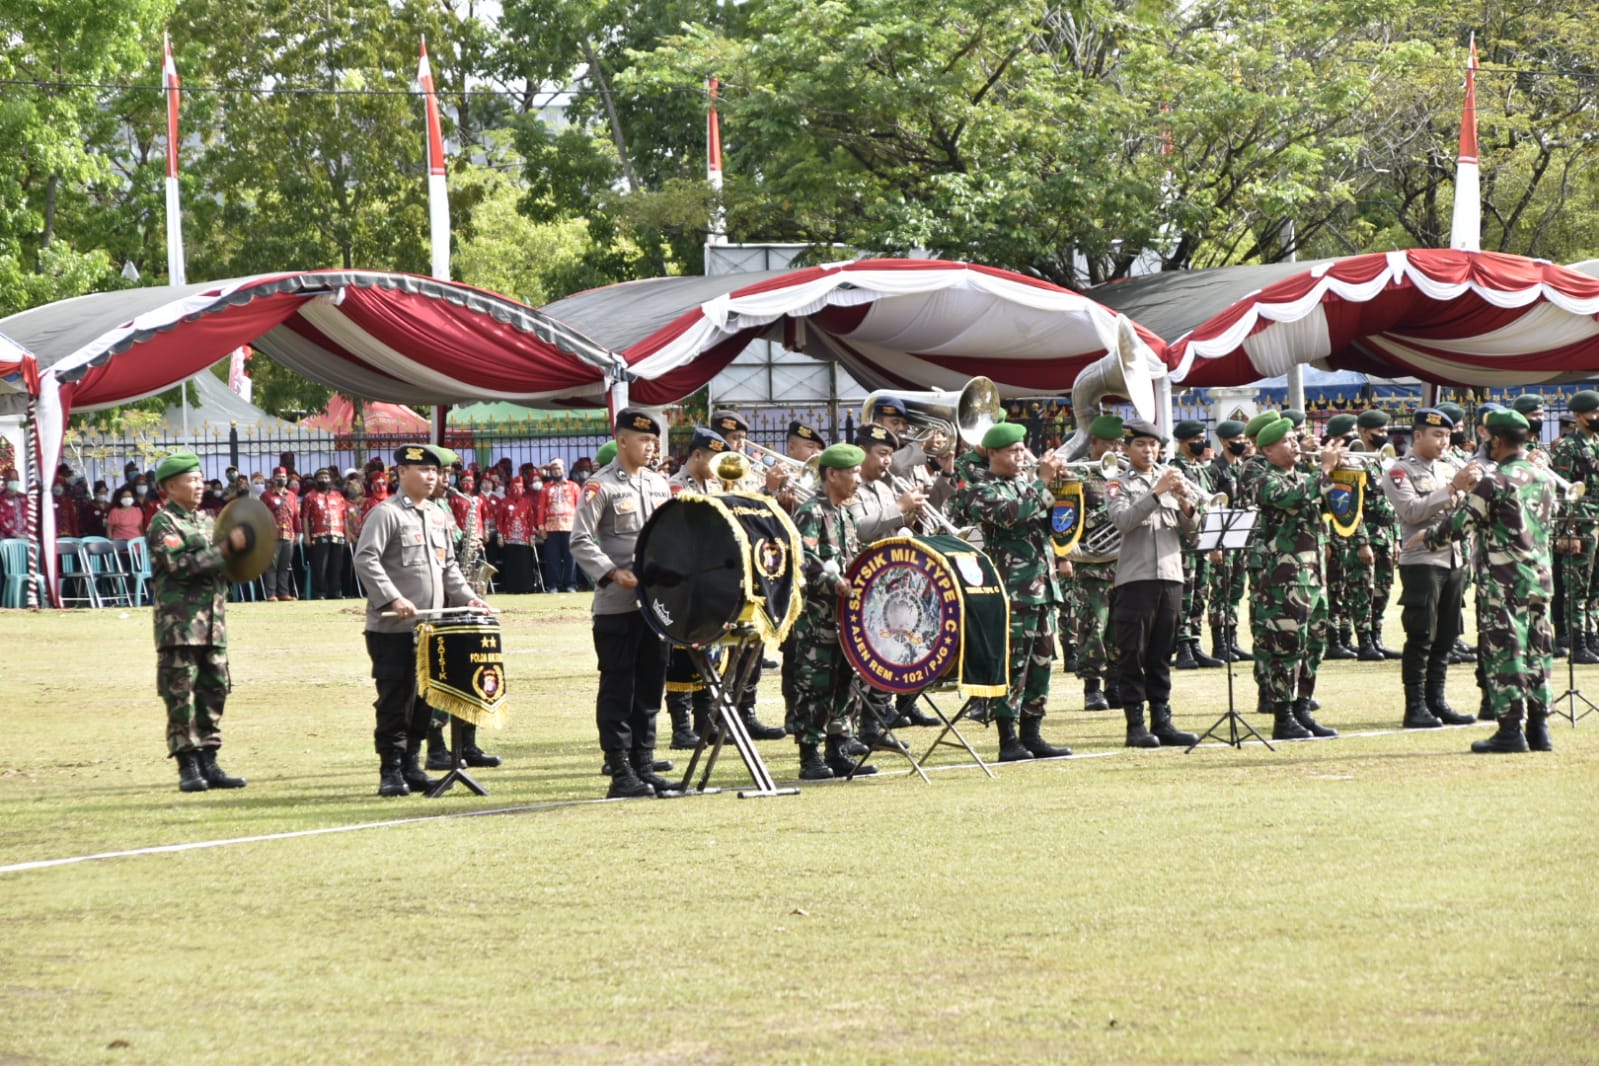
[[278, 579], [1145, 619], [327, 569], [1432, 598], [632, 679], [516, 569], [402, 718]]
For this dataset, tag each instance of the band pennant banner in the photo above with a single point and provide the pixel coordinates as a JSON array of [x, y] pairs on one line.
[[460, 670], [1346, 501], [1066, 517]]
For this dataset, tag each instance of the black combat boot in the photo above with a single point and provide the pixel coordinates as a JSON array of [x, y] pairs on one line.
[[1205, 661], [979, 709], [644, 770], [1368, 651], [917, 717], [1538, 730], [473, 755], [1417, 716], [1011, 749], [625, 784], [1040, 748], [812, 766], [877, 740], [1485, 713], [680, 706], [215, 776], [1137, 735], [1161, 729], [1582, 649], [439, 757], [1113, 695], [1185, 657], [1507, 740], [1286, 726], [415, 779], [1376, 640], [853, 747], [190, 779], [1220, 650], [842, 765], [1338, 644], [1239, 654], [757, 729], [1301, 712], [1439, 706], [1093, 698], [391, 779]]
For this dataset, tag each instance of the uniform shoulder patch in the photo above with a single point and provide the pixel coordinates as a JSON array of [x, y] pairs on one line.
[[591, 488], [1396, 475]]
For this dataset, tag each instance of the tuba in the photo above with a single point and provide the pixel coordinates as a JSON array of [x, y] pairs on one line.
[[1119, 372], [967, 413]]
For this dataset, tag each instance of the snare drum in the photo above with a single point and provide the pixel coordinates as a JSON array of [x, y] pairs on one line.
[[460, 668]]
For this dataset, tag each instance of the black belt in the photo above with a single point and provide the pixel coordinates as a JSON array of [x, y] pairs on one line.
[[326, 537]]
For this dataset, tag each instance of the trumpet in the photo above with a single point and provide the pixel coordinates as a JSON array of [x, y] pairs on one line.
[[805, 473], [1109, 464], [929, 515], [1570, 491], [1188, 491]]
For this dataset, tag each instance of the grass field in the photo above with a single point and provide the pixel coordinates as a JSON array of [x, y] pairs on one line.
[[1380, 898]]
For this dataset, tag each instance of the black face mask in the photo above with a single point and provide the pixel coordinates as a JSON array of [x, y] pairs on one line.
[[1458, 438], [1378, 440], [1196, 447], [323, 483], [1237, 447], [1534, 428]]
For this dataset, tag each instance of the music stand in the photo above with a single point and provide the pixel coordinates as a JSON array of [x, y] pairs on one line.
[[742, 654], [1566, 528], [458, 771], [1227, 529]]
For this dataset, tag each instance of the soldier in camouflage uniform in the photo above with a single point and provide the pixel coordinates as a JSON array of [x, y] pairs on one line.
[[1375, 584], [189, 593], [1344, 566], [1576, 458], [1095, 576], [1512, 509], [1251, 473], [1013, 511], [1290, 606], [1227, 577], [1189, 460], [823, 676]]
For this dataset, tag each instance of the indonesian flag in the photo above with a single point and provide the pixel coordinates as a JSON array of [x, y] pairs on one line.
[[713, 166], [1465, 230], [169, 81], [438, 197]]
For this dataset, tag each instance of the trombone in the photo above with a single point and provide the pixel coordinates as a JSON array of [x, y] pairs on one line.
[[929, 515]]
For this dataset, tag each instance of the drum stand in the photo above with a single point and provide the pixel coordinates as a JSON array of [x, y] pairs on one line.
[[742, 656], [901, 748], [458, 771], [1229, 520], [1567, 527]]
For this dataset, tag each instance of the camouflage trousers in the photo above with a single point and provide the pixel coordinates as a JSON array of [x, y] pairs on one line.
[[1290, 631], [1228, 580], [1070, 603], [1580, 585], [1096, 591], [194, 683], [1337, 575], [822, 684], [1515, 645], [1360, 591], [1196, 591], [1032, 651]]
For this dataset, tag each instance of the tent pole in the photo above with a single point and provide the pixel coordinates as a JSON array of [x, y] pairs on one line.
[[441, 412]]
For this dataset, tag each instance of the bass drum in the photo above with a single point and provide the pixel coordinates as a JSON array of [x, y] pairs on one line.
[[709, 564]]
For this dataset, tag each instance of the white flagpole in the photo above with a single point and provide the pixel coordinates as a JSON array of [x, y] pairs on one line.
[[1465, 229], [713, 167], [438, 196], [169, 76]]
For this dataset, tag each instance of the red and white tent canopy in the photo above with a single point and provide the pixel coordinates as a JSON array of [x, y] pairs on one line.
[[1444, 316], [893, 323]]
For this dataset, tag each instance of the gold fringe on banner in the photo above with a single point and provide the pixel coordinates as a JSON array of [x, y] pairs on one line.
[[460, 670]]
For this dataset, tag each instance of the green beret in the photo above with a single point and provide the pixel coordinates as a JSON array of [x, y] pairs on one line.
[[1372, 419], [1260, 422], [1274, 432], [1455, 412], [1526, 403], [1584, 401], [1106, 427], [1187, 429], [1295, 416], [606, 453], [842, 456], [1230, 428], [1003, 435], [175, 464], [447, 456], [1338, 425], [1508, 420]]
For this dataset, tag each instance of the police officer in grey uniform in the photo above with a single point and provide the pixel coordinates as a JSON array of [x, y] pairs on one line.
[[1422, 486], [616, 503], [1148, 506], [406, 561], [877, 509]]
